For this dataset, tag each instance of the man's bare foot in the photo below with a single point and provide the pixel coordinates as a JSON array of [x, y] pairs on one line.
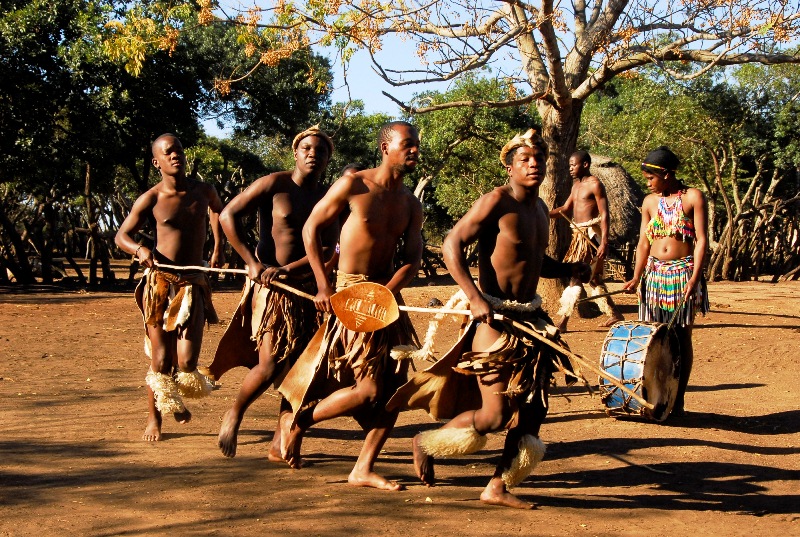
[[274, 453], [423, 463], [291, 449], [277, 451], [371, 479], [496, 494], [229, 433], [562, 325], [183, 417], [152, 432], [615, 318]]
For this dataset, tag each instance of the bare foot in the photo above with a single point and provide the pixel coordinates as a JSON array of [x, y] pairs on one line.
[[496, 493], [371, 479], [152, 432], [562, 325], [617, 317], [294, 439], [423, 463], [229, 433], [183, 417], [274, 453], [277, 450]]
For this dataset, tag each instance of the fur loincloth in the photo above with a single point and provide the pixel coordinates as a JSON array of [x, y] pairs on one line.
[[170, 300], [290, 319], [450, 386]]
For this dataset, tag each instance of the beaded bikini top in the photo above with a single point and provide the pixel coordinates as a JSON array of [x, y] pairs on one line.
[[670, 222]]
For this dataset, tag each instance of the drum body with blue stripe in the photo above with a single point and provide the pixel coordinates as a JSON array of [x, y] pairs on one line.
[[645, 357]]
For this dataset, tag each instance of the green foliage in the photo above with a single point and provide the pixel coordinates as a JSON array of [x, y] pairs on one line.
[[67, 109], [283, 100], [461, 146], [355, 135]]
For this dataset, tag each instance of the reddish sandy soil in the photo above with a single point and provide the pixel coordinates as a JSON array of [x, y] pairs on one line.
[[72, 460]]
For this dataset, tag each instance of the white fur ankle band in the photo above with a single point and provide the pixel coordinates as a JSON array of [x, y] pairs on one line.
[[569, 298], [531, 453], [193, 385], [451, 442], [168, 398]]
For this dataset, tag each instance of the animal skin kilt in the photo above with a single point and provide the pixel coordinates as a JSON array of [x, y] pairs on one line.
[[579, 247], [336, 356], [580, 250], [662, 288], [450, 386], [292, 321], [171, 300]]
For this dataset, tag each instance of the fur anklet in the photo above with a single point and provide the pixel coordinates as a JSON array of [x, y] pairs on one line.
[[193, 385], [531, 453], [451, 442], [168, 398], [569, 298]]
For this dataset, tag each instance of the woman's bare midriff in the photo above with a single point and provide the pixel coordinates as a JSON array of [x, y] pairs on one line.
[[670, 248]]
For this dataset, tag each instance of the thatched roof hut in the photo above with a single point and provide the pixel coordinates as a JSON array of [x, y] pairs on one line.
[[624, 198]]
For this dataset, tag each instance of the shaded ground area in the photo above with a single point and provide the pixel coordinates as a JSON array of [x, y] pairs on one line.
[[71, 458]]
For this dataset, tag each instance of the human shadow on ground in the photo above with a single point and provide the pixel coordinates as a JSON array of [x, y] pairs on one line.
[[705, 326], [786, 422], [718, 486], [754, 314], [690, 486]]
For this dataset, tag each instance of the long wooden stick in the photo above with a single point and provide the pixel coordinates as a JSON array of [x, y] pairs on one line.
[[613, 380], [289, 288], [580, 229], [204, 269], [582, 361], [602, 295]]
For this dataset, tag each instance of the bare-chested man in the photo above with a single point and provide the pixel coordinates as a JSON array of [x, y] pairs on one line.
[[175, 304], [383, 212], [587, 206], [272, 321], [498, 375]]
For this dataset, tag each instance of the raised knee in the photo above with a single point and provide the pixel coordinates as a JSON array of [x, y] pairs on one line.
[[489, 422], [368, 394], [187, 366]]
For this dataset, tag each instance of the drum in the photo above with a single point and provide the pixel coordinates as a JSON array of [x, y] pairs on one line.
[[645, 357]]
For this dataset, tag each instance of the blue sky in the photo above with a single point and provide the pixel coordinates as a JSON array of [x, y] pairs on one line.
[[365, 84]]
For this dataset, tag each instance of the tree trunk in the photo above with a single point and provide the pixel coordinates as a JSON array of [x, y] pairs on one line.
[[560, 128], [48, 238], [23, 271], [98, 250]]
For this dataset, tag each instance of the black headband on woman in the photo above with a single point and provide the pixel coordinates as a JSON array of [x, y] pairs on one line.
[[661, 160]]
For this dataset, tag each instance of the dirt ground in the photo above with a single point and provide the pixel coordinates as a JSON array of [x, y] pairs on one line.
[[73, 411]]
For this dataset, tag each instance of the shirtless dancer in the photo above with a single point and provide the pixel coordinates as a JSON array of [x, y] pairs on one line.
[[279, 323], [383, 212], [587, 206], [502, 378], [175, 304]]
